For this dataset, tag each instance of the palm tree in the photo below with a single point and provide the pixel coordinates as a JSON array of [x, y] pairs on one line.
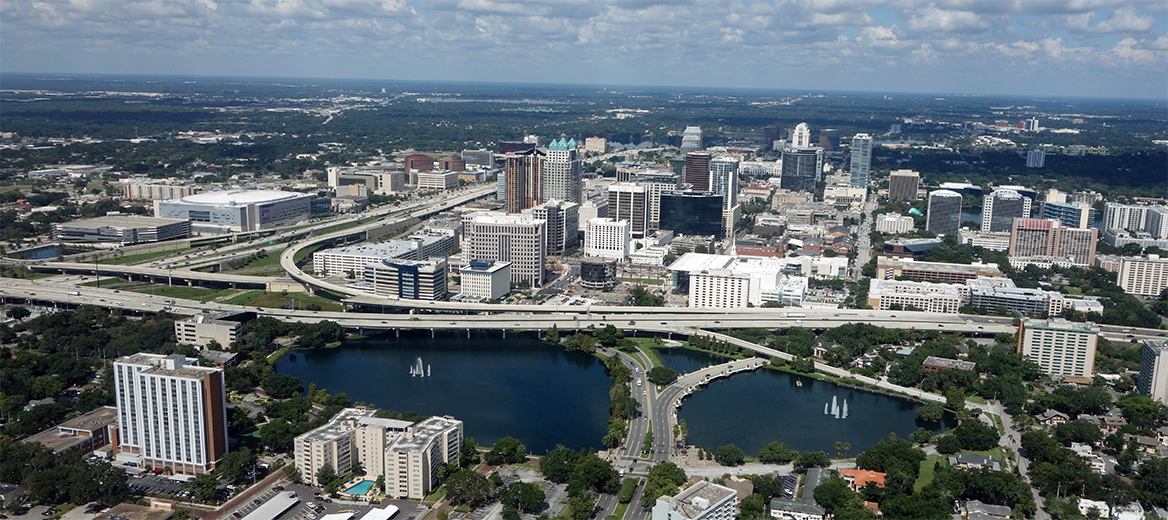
[[847, 448], [839, 446]]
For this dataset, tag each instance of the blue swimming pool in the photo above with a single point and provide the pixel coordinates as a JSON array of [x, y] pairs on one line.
[[360, 489]]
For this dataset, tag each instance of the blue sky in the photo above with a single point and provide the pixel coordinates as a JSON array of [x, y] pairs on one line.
[[1109, 48]]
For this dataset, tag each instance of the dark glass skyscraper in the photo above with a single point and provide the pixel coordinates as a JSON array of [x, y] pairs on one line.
[[692, 213]]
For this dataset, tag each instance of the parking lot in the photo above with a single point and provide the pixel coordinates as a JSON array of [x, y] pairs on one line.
[[313, 505], [156, 485]]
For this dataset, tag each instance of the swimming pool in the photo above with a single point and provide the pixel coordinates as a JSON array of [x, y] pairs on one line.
[[360, 489]]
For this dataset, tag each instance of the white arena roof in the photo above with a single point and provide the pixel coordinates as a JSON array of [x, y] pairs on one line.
[[241, 197]]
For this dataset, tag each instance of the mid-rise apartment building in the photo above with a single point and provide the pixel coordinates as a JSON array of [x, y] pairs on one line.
[[930, 297], [202, 329], [607, 238], [1061, 348], [413, 459], [701, 501], [1144, 276], [894, 223], [172, 413], [1048, 238], [355, 435], [1153, 380]]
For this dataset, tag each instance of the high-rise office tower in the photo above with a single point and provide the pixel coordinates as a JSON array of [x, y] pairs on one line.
[[903, 184], [1001, 207], [171, 412], [629, 202], [1047, 237], [692, 213], [829, 139], [801, 136], [724, 180], [561, 172], [691, 139], [1035, 159], [770, 134], [563, 224], [861, 160], [944, 213], [504, 237], [524, 180], [697, 170], [1153, 380], [801, 168]]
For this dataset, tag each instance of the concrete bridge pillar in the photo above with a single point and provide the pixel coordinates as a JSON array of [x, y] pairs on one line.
[[397, 333], [431, 333], [190, 283], [467, 333]]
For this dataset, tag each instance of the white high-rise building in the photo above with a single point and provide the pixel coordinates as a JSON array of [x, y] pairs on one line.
[[507, 237], [801, 136], [561, 172], [413, 460], [1153, 380], [355, 435], [894, 223], [724, 180], [861, 160], [1145, 276], [563, 224], [172, 413], [691, 139], [1060, 347], [607, 238], [630, 202]]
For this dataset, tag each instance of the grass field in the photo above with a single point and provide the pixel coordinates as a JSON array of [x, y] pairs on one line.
[[142, 257], [184, 292], [927, 471], [618, 513], [280, 300]]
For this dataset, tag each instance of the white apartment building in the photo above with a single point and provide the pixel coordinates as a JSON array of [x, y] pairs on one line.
[[172, 413], [607, 238], [353, 435], [1061, 348], [701, 501], [507, 237], [728, 282], [437, 180], [1153, 380], [412, 461], [896, 223], [1144, 276], [930, 297], [719, 289], [485, 280]]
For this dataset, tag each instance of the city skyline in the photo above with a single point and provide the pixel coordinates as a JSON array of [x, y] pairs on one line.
[[1085, 48]]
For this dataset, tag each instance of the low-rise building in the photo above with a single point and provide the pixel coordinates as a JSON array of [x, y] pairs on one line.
[[1052, 417], [121, 230], [701, 501], [976, 510], [652, 255], [964, 460], [485, 280], [857, 479], [596, 273], [937, 364], [83, 434], [930, 297], [201, 329], [353, 259], [894, 223], [889, 268], [991, 240], [437, 180]]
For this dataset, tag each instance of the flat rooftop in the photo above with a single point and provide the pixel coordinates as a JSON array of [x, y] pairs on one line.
[[64, 436], [390, 249], [242, 197], [121, 221], [336, 427], [424, 433], [690, 501], [916, 265], [1061, 324]]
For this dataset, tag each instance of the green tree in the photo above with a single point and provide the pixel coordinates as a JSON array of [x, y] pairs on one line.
[[922, 435], [507, 450], [976, 436], [930, 412], [730, 455], [326, 474], [593, 474], [557, 464], [834, 495], [776, 453], [662, 375], [277, 435], [553, 335], [523, 496], [282, 386], [235, 464], [467, 487], [663, 479], [203, 486], [469, 455], [811, 459]]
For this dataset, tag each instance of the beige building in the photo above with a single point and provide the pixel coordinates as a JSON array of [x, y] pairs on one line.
[[413, 459], [607, 238], [1145, 276], [595, 144], [353, 436], [701, 501], [930, 297], [1031, 237], [202, 329], [485, 280], [894, 223], [1061, 348], [507, 237], [719, 289], [903, 184], [437, 180]]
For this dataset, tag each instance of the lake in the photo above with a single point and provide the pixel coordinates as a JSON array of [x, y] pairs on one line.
[[518, 386]]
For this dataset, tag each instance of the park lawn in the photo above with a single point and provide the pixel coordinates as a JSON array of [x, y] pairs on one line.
[[647, 281], [142, 257], [976, 398], [928, 472], [645, 346], [997, 452], [188, 293], [271, 259], [280, 300]]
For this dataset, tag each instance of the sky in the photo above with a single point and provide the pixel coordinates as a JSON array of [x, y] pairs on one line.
[[1098, 48]]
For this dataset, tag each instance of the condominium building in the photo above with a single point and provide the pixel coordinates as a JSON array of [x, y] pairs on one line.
[[518, 239], [930, 297], [719, 289], [147, 191], [523, 177], [1046, 237], [894, 223], [172, 413], [355, 435], [607, 238], [1137, 218], [1061, 348], [563, 224], [436, 180], [630, 202], [1071, 215], [408, 279], [561, 171], [991, 293], [1145, 276], [1001, 207], [485, 280], [413, 459], [724, 180], [890, 268], [426, 244], [903, 185], [1153, 380], [702, 501], [861, 167], [944, 212]]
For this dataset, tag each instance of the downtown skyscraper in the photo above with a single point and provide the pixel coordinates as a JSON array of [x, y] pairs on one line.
[[561, 172], [861, 160]]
